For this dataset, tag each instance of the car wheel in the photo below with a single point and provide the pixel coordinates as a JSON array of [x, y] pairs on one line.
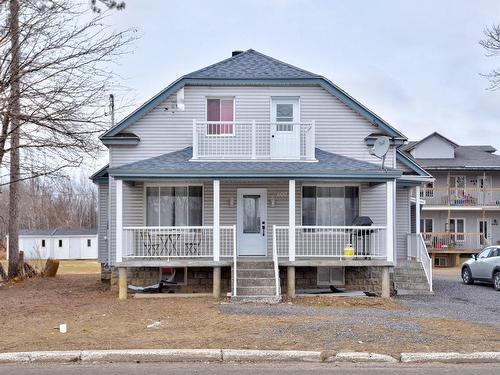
[[496, 281], [467, 276]]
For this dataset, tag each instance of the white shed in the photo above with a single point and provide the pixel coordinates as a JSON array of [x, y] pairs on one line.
[[58, 243]]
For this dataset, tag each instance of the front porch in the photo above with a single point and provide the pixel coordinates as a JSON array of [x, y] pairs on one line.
[[253, 221]]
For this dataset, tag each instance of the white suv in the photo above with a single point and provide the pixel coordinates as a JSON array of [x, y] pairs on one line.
[[483, 267]]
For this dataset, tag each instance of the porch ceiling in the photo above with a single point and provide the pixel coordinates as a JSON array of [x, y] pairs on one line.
[[178, 165]]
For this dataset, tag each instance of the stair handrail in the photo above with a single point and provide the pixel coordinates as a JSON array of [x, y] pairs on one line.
[[424, 258], [275, 261]]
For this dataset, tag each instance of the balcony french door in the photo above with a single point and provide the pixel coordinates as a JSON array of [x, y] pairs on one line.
[[285, 128]]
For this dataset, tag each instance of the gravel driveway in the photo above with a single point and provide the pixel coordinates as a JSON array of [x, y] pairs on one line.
[[478, 303], [452, 299]]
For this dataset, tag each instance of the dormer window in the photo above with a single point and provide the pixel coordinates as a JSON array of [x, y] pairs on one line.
[[220, 116]]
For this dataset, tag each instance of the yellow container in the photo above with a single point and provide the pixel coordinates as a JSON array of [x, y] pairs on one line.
[[349, 251]]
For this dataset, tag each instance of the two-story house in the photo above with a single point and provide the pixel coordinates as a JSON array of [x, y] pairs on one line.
[[252, 175], [461, 213]]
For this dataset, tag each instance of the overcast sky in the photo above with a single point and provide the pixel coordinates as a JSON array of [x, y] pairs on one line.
[[415, 63]]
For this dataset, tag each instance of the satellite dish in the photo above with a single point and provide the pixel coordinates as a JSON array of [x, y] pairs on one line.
[[381, 146]]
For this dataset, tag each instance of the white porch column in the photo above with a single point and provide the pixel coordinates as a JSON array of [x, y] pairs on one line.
[[391, 223], [119, 220], [216, 236], [291, 220], [417, 209]]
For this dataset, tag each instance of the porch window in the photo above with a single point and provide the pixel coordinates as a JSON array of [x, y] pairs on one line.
[[330, 205], [174, 206], [220, 115]]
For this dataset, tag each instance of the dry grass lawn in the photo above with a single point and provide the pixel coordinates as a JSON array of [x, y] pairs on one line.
[[32, 310], [66, 266]]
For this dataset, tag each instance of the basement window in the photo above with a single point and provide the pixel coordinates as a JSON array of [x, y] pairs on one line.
[[177, 275], [331, 276]]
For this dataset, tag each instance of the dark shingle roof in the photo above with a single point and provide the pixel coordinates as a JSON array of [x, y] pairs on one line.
[[466, 157], [178, 164], [58, 232], [251, 65]]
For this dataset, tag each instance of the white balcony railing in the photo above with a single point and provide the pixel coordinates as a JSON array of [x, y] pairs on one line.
[[176, 242], [253, 140], [461, 196], [443, 241], [333, 242]]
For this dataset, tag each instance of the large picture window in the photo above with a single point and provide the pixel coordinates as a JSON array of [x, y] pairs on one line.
[[329, 205], [220, 110], [174, 206]]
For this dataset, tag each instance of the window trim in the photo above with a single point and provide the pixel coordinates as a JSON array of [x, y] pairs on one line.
[[332, 184], [233, 133], [176, 184]]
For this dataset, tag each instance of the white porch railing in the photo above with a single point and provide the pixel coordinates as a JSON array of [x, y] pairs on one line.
[[333, 241], [251, 140], [417, 250], [176, 242]]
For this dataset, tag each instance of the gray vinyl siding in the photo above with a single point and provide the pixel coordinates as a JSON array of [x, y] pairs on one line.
[[402, 222], [102, 225], [338, 128], [373, 203]]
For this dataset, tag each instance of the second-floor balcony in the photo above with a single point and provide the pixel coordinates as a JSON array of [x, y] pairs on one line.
[[461, 197], [253, 140]]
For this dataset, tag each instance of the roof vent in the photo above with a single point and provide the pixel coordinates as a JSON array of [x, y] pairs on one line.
[[236, 53]]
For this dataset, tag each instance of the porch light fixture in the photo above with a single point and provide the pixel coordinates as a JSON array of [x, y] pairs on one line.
[[231, 202], [272, 202], [495, 222]]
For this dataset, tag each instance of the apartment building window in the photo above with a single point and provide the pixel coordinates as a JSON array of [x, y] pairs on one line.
[[220, 116], [426, 225]]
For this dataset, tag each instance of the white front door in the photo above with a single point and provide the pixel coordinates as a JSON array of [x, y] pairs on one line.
[[252, 221], [285, 128]]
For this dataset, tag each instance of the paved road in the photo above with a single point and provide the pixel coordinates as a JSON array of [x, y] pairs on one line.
[[229, 369]]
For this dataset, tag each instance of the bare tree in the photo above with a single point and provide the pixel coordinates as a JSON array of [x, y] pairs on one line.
[[491, 43], [55, 58]]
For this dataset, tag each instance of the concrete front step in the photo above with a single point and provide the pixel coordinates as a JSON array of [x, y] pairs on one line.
[[411, 286], [255, 281], [254, 273], [411, 292], [247, 265], [256, 290], [256, 299], [416, 279]]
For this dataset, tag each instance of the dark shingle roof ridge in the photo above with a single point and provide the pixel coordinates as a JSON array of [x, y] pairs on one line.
[[244, 54], [285, 63]]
